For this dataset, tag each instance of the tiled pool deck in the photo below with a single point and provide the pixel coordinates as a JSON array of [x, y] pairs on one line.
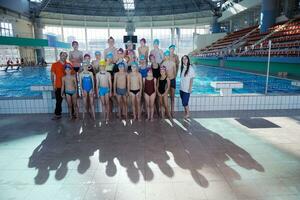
[[224, 155]]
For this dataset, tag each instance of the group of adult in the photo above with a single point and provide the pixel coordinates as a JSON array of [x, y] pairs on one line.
[[147, 78]]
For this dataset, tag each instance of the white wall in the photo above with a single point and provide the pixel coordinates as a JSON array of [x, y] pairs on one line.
[[205, 40]]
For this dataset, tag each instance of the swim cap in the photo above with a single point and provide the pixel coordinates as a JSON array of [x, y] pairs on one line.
[[167, 53], [102, 62], [156, 41], [149, 69], [163, 68], [142, 57], [109, 55], [172, 46], [134, 64], [129, 42], [68, 66], [121, 65], [87, 55], [97, 52]]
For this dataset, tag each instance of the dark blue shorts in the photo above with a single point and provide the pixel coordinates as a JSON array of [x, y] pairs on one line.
[[185, 97], [173, 83]]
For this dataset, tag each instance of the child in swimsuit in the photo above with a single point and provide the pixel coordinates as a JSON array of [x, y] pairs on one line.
[[149, 93], [171, 73], [120, 90], [134, 81], [87, 89], [76, 56], [105, 88], [69, 91], [163, 87], [143, 66]]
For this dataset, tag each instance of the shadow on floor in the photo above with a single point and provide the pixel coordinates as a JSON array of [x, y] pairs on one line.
[[138, 147]]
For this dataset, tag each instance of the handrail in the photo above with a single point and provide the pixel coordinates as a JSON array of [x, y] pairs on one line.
[[269, 35]]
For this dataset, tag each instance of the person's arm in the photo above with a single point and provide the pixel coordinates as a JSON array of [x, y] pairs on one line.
[[97, 84], [175, 71], [75, 84], [177, 64], [110, 85], [128, 83], [63, 86], [155, 89], [141, 82], [53, 77], [93, 83], [168, 87], [80, 83], [144, 82]]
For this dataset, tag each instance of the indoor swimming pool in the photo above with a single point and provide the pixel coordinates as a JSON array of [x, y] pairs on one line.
[[16, 83]]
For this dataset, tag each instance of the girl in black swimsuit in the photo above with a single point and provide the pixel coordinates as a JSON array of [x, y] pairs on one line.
[[163, 87]]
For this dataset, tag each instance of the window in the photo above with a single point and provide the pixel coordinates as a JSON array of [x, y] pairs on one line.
[[53, 30], [9, 52], [128, 4], [185, 41], [97, 39], [78, 34], [144, 33], [164, 36], [6, 29], [118, 34]]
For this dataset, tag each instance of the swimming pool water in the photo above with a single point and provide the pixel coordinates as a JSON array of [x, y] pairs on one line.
[[17, 83]]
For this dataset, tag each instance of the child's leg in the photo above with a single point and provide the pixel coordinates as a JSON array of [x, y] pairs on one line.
[[161, 107], [107, 105], [138, 103], [165, 99], [172, 95], [92, 106], [133, 105], [120, 106], [151, 102], [187, 111], [84, 98], [69, 101], [75, 106], [147, 104], [125, 106], [103, 103]]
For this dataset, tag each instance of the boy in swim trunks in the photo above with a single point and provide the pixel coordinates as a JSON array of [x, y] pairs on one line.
[[174, 57], [76, 56], [157, 52], [69, 91], [171, 73], [120, 90], [86, 81], [134, 88], [104, 87]]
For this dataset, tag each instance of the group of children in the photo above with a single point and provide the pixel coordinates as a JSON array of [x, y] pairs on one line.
[[122, 77]]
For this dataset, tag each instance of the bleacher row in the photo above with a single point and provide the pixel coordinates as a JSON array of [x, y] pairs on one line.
[[285, 38]]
